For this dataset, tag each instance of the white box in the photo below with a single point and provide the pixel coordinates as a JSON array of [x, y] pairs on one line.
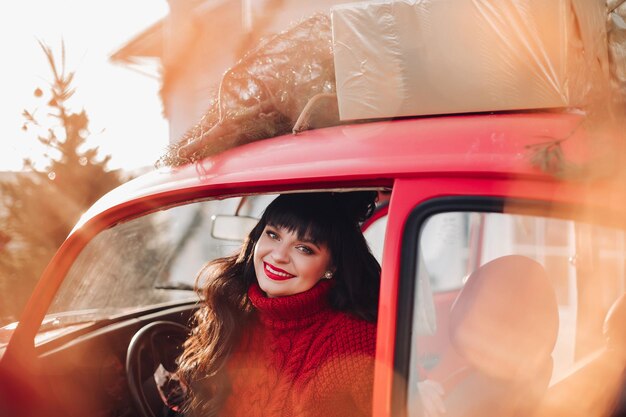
[[402, 58]]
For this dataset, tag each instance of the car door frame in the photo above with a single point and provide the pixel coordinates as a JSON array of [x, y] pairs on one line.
[[413, 200]]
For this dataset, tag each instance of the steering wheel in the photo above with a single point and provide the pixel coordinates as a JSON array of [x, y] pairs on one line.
[[155, 346]]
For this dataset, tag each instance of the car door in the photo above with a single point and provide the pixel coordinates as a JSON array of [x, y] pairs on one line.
[[500, 345]]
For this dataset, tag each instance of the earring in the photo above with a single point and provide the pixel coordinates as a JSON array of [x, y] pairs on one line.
[[328, 275]]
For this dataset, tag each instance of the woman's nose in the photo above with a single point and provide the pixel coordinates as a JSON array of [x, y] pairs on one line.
[[279, 254]]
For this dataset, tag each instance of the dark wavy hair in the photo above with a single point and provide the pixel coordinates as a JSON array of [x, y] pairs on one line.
[[329, 218]]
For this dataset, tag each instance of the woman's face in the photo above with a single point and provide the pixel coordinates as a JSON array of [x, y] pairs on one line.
[[285, 265]]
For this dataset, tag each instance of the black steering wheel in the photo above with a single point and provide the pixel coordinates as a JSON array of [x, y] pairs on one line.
[[155, 347]]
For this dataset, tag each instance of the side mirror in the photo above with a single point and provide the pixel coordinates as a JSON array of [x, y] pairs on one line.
[[232, 227]]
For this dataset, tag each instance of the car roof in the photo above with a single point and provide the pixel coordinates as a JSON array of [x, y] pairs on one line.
[[484, 144]]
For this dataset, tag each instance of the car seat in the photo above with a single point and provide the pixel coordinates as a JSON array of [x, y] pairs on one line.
[[593, 387], [503, 325]]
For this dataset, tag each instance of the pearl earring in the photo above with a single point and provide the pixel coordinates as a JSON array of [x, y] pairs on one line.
[[328, 275]]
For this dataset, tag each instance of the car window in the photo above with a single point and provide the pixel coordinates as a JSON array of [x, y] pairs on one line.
[[375, 236], [469, 322], [149, 260]]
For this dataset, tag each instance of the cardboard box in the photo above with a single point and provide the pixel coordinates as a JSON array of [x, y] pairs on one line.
[[402, 58]]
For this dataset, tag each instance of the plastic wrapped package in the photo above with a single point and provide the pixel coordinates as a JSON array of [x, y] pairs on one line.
[[617, 45], [401, 58], [265, 92]]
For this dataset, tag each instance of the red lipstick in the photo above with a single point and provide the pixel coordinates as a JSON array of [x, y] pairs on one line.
[[275, 273]]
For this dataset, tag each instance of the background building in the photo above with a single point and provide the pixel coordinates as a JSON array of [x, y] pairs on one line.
[[198, 41]]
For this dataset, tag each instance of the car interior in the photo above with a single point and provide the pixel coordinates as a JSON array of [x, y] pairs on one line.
[[502, 329], [531, 331]]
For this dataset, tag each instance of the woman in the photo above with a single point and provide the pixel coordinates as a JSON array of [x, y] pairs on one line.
[[288, 325]]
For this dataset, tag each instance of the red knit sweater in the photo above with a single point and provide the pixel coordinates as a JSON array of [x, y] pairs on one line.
[[300, 358]]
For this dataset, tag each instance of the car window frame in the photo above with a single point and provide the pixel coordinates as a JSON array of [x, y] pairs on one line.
[[408, 264]]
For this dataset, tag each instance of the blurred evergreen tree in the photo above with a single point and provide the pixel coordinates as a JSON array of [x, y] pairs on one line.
[[39, 207]]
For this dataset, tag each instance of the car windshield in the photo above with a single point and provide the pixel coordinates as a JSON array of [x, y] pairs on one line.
[[148, 261], [152, 261]]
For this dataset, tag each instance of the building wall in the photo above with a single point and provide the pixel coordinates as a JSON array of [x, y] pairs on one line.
[[194, 65]]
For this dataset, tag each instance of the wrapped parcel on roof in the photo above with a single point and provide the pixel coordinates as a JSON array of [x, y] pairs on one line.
[[402, 58], [263, 94]]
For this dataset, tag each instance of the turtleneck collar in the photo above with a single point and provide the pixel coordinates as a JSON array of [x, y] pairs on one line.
[[293, 310]]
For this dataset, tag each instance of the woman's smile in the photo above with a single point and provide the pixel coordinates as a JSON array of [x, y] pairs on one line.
[[275, 273]]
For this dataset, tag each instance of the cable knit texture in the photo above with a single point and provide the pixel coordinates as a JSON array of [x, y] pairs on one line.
[[301, 358]]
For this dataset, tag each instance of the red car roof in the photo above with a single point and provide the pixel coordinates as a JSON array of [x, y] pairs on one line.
[[495, 144]]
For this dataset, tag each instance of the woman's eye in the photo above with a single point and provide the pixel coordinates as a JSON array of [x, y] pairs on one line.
[[305, 250], [271, 235]]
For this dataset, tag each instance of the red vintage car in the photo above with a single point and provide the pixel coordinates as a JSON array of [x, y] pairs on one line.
[[467, 212]]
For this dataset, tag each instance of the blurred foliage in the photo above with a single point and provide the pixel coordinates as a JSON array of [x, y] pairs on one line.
[[39, 207]]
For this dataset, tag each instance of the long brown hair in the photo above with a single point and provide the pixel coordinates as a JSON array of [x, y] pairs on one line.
[[330, 218]]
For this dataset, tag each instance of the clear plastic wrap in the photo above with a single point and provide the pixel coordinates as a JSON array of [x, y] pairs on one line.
[[410, 57], [264, 93], [616, 31]]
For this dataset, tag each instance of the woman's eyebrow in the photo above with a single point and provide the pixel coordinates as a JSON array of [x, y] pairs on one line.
[[310, 242]]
